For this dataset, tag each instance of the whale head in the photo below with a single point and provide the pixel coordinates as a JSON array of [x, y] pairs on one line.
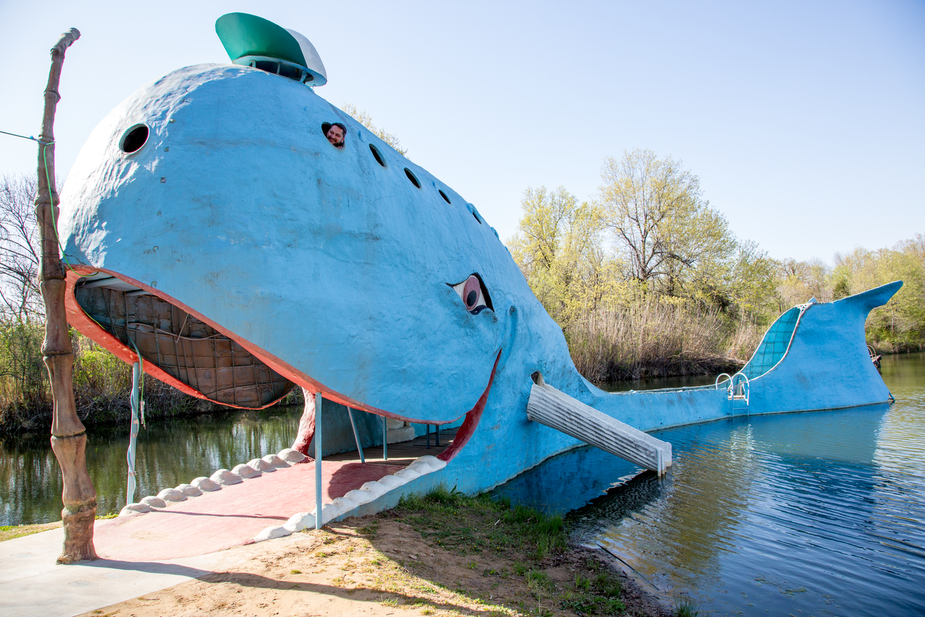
[[209, 210]]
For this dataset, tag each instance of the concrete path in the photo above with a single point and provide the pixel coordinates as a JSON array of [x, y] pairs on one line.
[[31, 584], [148, 552]]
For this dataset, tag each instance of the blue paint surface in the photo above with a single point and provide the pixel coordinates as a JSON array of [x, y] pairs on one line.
[[342, 269]]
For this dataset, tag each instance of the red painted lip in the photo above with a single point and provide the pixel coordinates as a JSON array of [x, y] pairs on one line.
[[473, 416], [88, 327]]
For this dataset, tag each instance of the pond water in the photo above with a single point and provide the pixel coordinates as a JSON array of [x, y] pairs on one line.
[[168, 454], [798, 514], [804, 514]]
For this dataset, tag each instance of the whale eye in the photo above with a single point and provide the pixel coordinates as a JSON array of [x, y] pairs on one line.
[[473, 294]]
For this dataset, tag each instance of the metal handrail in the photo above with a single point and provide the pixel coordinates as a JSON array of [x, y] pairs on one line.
[[744, 387]]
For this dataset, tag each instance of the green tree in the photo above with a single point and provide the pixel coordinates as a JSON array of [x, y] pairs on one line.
[[558, 248], [752, 284], [670, 237], [901, 323], [366, 120], [800, 281]]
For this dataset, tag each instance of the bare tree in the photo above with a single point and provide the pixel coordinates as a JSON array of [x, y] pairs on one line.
[[661, 223], [68, 435], [19, 258]]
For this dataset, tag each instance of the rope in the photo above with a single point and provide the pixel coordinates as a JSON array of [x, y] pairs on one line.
[[140, 389], [54, 215], [51, 200], [25, 137], [138, 409]]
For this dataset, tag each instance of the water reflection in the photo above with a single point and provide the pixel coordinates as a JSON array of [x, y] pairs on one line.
[[169, 453], [820, 513]]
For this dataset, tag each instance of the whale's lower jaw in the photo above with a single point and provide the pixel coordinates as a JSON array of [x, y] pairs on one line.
[[186, 350]]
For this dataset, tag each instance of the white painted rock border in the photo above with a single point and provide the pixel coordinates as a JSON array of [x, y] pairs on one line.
[[222, 477], [269, 464], [353, 499]]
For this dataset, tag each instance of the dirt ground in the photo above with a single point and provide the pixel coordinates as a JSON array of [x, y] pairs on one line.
[[379, 566]]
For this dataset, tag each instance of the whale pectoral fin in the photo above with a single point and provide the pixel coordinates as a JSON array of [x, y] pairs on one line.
[[558, 410]]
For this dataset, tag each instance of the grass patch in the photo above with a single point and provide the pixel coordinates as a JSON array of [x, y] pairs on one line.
[[686, 608], [489, 526], [8, 532], [522, 546]]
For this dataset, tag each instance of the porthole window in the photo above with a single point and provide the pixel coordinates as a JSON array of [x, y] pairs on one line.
[[335, 133], [445, 198], [377, 155], [473, 212], [134, 139], [412, 177]]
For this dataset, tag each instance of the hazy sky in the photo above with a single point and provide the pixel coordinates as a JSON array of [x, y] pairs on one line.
[[805, 121]]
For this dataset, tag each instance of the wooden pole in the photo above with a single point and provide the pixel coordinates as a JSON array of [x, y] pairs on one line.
[[68, 435]]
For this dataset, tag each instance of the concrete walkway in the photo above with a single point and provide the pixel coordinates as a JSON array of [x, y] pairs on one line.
[[144, 553], [31, 584]]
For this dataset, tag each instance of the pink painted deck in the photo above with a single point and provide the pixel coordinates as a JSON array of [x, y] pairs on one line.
[[232, 516]]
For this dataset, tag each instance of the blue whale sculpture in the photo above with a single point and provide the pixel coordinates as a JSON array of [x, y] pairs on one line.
[[212, 228]]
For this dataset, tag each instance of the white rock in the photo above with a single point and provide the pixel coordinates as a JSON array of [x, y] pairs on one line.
[[291, 456], [407, 474], [393, 481], [276, 461], [374, 488], [300, 521], [225, 478], [171, 494], [359, 497], [154, 502], [271, 533], [427, 464], [328, 513], [134, 508], [189, 490], [246, 471], [343, 506], [206, 484], [261, 465]]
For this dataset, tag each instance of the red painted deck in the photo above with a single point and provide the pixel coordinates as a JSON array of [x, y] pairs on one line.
[[235, 514]]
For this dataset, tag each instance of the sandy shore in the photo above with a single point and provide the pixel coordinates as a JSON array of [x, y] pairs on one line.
[[380, 566]]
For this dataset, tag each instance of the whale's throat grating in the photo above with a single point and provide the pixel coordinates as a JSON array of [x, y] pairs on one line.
[[184, 347]]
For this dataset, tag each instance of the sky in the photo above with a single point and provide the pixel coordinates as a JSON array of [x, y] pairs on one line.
[[804, 120]]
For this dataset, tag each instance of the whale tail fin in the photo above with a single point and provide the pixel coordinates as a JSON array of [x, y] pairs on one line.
[[872, 298]]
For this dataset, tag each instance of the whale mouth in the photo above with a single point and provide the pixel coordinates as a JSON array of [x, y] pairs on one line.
[[188, 351], [178, 346]]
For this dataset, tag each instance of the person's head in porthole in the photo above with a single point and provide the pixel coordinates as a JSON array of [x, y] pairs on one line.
[[335, 133]]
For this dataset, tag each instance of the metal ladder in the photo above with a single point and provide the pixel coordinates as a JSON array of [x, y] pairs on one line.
[[738, 389]]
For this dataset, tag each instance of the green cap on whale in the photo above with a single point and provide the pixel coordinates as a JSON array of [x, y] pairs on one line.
[[254, 41]]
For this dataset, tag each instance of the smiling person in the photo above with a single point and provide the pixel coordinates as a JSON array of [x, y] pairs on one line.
[[335, 133]]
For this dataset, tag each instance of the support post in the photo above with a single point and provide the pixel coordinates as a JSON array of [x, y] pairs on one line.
[[385, 438], [318, 451], [68, 435], [356, 436]]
